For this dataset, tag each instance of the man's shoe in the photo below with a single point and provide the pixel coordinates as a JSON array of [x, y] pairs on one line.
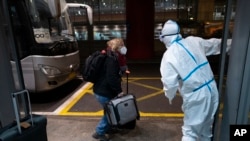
[[100, 137]]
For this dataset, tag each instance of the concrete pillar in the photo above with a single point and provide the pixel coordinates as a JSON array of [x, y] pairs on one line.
[[6, 78]]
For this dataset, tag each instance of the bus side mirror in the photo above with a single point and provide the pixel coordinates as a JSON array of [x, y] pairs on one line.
[[90, 14]]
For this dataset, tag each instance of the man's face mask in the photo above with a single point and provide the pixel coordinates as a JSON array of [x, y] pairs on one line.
[[123, 50]]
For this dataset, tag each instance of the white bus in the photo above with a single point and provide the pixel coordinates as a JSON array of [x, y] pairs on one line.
[[47, 50]]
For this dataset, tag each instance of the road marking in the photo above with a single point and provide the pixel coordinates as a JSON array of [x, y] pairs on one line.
[[161, 114], [73, 99], [149, 96], [64, 109], [159, 91], [142, 114], [146, 86]]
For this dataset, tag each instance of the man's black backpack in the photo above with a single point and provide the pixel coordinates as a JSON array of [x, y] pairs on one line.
[[93, 65]]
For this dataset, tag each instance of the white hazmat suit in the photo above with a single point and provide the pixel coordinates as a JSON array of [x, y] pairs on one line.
[[184, 67]]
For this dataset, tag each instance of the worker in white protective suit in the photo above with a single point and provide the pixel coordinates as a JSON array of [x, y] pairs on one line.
[[184, 67]]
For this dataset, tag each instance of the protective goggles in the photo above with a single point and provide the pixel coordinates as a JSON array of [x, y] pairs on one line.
[[162, 36]]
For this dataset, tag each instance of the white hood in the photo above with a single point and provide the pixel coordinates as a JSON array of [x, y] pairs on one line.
[[170, 33]]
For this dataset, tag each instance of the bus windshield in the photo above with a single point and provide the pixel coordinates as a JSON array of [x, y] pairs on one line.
[[48, 29]]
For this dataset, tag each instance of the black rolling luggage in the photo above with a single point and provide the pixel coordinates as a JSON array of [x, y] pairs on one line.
[[25, 128], [122, 112]]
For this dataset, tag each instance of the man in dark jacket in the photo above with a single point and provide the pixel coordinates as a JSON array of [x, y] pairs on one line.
[[108, 84]]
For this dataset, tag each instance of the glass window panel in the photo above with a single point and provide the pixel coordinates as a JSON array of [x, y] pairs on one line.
[[107, 32], [81, 32], [105, 6], [104, 10]]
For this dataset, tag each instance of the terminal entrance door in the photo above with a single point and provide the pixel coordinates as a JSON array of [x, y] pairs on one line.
[[235, 106]]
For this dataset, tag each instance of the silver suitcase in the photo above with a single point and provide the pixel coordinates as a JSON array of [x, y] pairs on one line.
[[122, 110]]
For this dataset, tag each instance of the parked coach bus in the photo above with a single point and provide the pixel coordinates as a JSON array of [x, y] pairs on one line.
[[47, 50]]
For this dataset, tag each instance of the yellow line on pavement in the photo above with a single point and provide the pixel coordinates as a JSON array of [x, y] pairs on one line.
[[64, 109], [75, 98], [146, 86], [161, 114], [159, 91], [142, 114], [149, 96]]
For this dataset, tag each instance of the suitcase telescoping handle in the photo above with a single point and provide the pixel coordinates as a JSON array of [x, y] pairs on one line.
[[16, 108], [127, 73]]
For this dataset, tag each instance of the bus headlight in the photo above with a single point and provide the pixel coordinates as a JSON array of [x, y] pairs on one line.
[[49, 70]]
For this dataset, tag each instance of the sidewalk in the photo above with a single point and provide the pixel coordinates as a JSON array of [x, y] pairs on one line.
[[62, 128]]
